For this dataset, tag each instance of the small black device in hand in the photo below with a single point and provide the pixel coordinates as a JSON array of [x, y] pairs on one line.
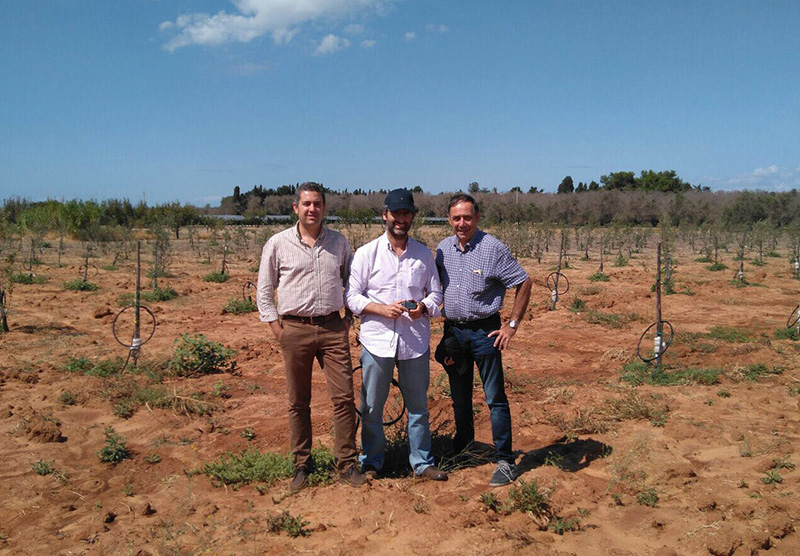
[[410, 304]]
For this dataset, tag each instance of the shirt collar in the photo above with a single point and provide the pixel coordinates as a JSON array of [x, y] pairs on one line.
[[470, 245], [300, 238]]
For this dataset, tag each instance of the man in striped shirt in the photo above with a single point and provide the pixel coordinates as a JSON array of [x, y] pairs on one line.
[[307, 266]]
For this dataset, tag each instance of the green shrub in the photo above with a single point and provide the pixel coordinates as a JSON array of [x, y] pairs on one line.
[[23, 278], [577, 304], [717, 266], [637, 373], [703, 259], [153, 458], [195, 355], [787, 334], [41, 467], [160, 294], [599, 277], [123, 409], [249, 466], [528, 498], [115, 450], [560, 525], [106, 367], [238, 306], [284, 521], [218, 277], [752, 373], [78, 365], [648, 497], [80, 285], [728, 334], [621, 260], [68, 398]]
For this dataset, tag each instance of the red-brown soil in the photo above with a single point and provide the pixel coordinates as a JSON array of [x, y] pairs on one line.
[[705, 459]]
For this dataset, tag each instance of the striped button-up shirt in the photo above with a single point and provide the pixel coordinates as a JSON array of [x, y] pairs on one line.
[[380, 276], [309, 281], [475, 280]]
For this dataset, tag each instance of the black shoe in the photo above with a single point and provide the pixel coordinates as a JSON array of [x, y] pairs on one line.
[[299, 481], [432, 473], [504, 474], [353, 477]]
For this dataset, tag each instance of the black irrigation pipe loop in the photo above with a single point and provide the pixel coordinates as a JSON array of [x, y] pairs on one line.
[[552, 283], [393, 419], [88, 272], [664, 343], [247, 291], [142, 341], [794, 318]]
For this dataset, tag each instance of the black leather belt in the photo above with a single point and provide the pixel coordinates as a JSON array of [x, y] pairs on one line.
[[491, 322], [312, 320]]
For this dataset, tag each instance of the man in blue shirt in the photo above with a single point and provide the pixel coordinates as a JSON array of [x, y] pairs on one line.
[[476, 269]]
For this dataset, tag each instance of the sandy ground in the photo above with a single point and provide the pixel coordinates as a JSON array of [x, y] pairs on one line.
[[719, 458]]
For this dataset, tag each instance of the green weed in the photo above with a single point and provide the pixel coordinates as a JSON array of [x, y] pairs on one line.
[[752, 373], [24, 278], [153, 458], [599, 277], [560, 525], [529, 498], [577, 304], [249, 466], [772, 477], [41, 467], [68, 398], [293, 526], [115, 450], [239, 306], [787, 334], [217, 277], [717, 267], [195, 355], [647, 497], [728, 334], [79, 285]]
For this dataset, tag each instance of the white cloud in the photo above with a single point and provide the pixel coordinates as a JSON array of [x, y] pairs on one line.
[[410, 36], [354, 29], [331, 44], [369, 43], [440, 29], [281, 19], [769, 178]]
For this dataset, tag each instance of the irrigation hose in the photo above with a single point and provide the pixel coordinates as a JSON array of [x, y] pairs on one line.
[[664, 344], [794, 318], [554, 280], [143, 340], [393, 419]]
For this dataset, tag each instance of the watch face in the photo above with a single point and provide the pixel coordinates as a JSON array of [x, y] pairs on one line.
[[512, 324]]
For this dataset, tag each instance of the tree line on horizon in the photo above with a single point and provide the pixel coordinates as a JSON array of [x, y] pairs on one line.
[[609, 204]]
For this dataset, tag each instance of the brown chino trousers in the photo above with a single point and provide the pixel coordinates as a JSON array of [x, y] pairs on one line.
[[329, 344]]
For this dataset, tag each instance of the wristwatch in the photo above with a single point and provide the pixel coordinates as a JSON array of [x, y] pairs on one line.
[[513, 324], [423, 308]]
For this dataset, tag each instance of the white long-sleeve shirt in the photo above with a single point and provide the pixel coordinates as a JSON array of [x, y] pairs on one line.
[[378, 275]]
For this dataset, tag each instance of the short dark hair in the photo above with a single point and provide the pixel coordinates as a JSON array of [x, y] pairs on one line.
[[462, 198], [309, 186]]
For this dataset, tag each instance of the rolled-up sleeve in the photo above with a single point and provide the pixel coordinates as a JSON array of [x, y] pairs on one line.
[[357, 283], [267, 283]]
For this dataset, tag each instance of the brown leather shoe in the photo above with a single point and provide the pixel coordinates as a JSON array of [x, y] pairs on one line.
[[299, 481], [432, 473], [353, 477]]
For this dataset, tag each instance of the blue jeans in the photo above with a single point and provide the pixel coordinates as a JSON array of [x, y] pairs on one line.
[[476, 347], [414, 377]]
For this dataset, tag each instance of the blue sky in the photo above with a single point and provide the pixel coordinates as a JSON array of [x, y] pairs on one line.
[[185, 99]]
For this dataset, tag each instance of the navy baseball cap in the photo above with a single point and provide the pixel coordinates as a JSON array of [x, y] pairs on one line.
[[400, 199]]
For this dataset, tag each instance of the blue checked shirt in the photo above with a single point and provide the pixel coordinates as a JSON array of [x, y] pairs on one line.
[[476, 279]]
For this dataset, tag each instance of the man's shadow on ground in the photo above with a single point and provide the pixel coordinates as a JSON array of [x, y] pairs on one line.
[[569, 455]]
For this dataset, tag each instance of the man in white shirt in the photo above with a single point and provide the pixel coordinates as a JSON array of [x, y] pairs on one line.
[[384, 274]]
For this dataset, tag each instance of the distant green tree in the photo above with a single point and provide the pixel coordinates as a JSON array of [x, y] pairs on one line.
[[619, 181], [566, 185]]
